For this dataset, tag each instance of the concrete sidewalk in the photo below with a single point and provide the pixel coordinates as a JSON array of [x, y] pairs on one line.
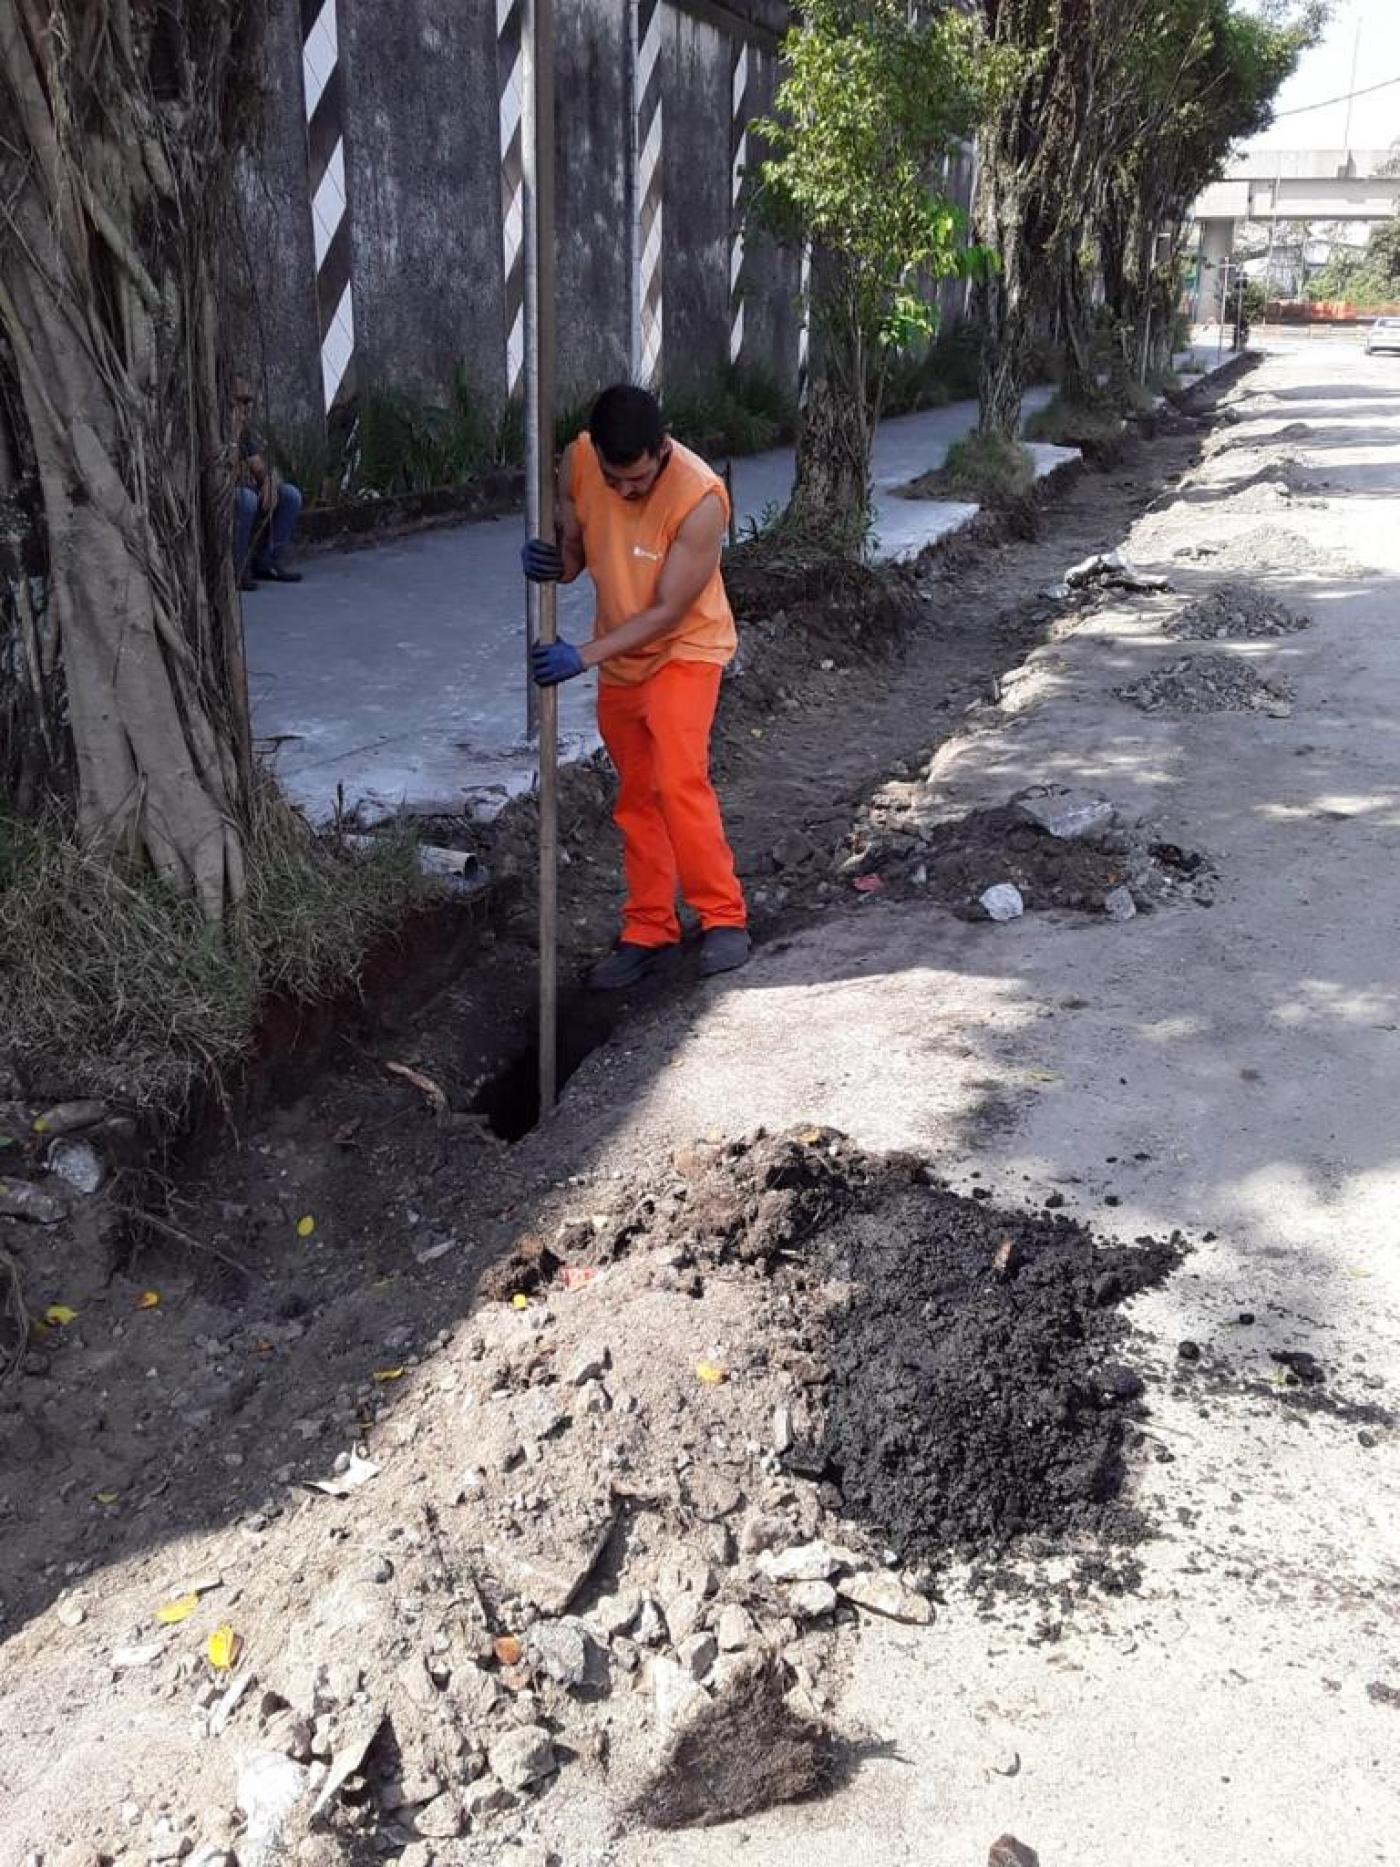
[[395, 675]]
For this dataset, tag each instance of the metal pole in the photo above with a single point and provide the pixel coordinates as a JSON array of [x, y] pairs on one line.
[[537, 144], [1355, 66]]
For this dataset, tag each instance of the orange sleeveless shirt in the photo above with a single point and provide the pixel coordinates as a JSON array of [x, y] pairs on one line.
[[625, 544]]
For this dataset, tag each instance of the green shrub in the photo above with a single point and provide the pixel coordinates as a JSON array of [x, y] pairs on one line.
[[747, 410], [955, 360], [408, 446], [1135, 398], [1047, 361], [313, 463], [1088, 425]]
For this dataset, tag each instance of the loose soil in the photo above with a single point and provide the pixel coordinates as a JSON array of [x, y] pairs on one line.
[[688, 1439], [410, 1205], [906, 843], [314, 1271]]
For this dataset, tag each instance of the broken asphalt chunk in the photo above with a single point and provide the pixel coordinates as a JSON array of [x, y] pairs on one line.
[[1066, 815]]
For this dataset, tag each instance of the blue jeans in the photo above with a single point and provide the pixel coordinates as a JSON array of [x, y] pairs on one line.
[[274, 533]]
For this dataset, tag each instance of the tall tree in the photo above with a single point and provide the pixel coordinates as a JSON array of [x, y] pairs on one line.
[[1205, 78], [1117, 113], [1053, 129], [121, 670], [1365, 275], [874, 97]]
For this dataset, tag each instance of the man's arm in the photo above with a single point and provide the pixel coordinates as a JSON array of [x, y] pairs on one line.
[[690, 563], [570, 532]]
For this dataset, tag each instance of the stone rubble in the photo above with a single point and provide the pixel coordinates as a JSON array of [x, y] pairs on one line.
[[1208, 684], [1235, 611], [1066, 814]]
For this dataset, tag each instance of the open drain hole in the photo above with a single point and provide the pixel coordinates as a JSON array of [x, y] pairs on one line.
[[510, 1100]]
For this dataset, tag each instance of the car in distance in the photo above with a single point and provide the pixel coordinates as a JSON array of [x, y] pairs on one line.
[[1384, 334]]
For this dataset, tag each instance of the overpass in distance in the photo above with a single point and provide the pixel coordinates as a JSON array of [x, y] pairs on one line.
[[1287, 184]]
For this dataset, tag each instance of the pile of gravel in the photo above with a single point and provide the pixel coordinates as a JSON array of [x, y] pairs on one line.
[[1208, 684], [1241, 611]]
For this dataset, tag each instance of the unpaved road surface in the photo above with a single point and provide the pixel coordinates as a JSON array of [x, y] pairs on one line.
[[1233, 1068], [1209, 1084]]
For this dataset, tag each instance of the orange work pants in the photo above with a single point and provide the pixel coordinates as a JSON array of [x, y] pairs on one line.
[[657, 733]]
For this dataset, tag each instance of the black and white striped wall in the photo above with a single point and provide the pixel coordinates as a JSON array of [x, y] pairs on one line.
[[385, 230], [323, 101]]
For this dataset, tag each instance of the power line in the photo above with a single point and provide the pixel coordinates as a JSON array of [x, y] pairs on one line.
[[1345, 98]]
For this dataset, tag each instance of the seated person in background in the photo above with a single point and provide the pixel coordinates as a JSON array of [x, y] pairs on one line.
[[265, 506]]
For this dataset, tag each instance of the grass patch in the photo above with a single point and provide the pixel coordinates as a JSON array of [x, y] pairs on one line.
[[986, 468], [1136, 398], [1092, 426], [112, 986], [779, 567]]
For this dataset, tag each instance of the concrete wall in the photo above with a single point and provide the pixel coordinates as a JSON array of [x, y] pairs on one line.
[[270, 274], [414, 273], [695, 91], [423, 190], [1217, 244], [771, 279], [593, 189]]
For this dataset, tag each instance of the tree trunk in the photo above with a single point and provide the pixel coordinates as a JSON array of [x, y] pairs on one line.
[[1161, 297], [830, 501], [831, 486], [35, 751], [1080, 383], [1006, 304], [115, 423]]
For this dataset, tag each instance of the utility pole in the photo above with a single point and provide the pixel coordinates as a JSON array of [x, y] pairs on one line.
[[1351, 91], [537, 150]]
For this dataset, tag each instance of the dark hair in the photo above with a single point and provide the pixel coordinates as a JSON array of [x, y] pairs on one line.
[[625, 424]]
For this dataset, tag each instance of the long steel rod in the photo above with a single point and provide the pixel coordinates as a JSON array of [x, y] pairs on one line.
[[537, 145]]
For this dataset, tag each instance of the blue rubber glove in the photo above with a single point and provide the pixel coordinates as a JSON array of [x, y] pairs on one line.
[[555, 662], [542, 561]]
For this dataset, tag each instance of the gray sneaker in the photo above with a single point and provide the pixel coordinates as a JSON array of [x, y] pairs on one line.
[[626, 965], [724, 949]]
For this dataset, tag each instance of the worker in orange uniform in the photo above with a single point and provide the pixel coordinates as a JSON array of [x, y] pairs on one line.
[[646, 518]]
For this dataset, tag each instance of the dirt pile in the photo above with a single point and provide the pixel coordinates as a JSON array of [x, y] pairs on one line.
[[1272, 550], [686, 1444], [906, 842], [1277, 481], [948, 1375], [1208, 684], [976, 1394], [1238, 611]]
